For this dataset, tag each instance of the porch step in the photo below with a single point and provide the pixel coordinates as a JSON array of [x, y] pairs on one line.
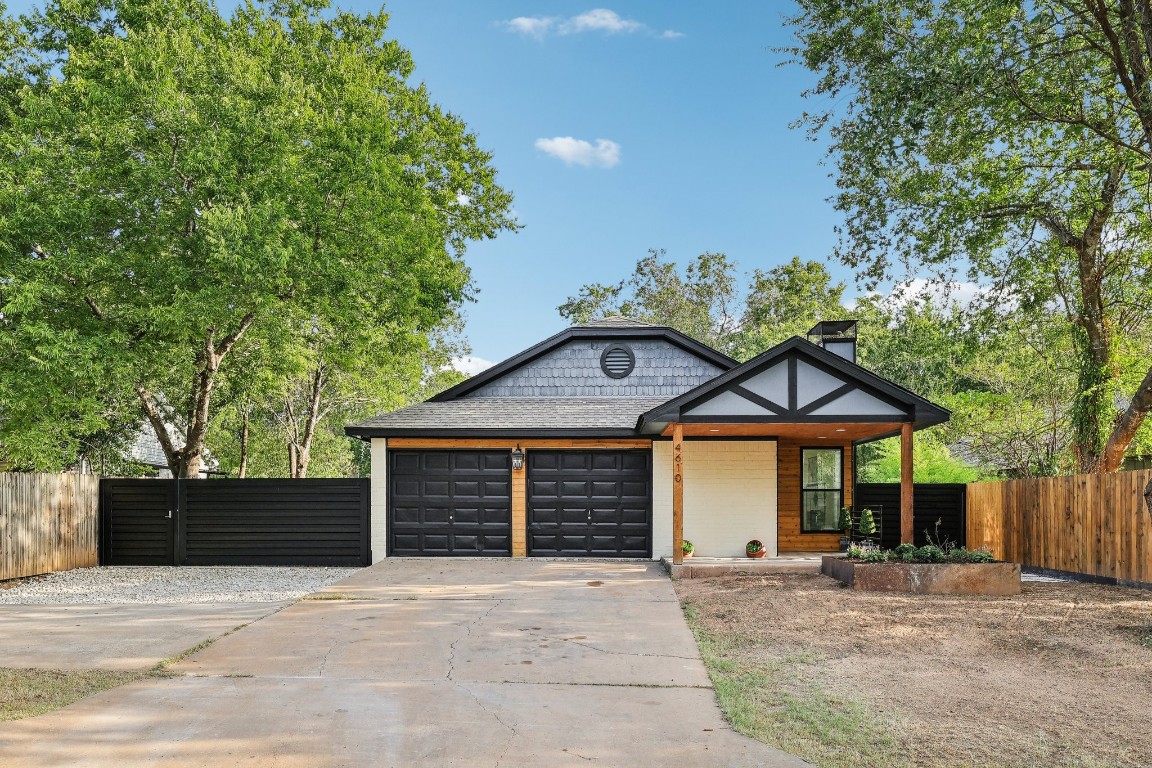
[[711, 567]]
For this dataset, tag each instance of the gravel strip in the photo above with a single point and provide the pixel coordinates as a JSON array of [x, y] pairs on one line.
[[164, 584]]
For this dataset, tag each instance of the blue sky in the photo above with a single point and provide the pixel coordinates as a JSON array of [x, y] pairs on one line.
[[619, 128], [701, 158]]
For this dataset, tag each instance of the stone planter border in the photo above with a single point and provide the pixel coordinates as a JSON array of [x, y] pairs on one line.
[[925, 578]]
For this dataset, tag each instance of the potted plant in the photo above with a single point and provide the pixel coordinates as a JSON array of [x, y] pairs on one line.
[[754, 548], [845, 526], [688, 548], [867, 525]]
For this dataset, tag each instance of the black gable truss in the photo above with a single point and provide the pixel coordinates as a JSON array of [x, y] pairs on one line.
[[795, 382]]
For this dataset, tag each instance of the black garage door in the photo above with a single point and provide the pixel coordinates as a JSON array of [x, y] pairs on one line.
[[590, 503], [449, 503]]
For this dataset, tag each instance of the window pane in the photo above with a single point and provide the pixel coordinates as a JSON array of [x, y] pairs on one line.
[[821, 510], [821, 468]]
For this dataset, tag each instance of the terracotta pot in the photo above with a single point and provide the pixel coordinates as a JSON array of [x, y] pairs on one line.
[[689, 554], [755, 554]]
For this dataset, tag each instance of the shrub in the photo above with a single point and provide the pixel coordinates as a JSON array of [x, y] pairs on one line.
[[930, 553], [905, 552], [867, 523], [687, 547], [845, 521]]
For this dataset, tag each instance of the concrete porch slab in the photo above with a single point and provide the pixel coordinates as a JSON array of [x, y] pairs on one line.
[[711, 567]]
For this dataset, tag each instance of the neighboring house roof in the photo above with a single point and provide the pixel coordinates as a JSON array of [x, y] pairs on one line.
[[147, 450], [796, 381], [511, 417]]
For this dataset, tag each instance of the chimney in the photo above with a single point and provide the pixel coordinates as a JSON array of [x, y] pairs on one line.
[[836, 336]]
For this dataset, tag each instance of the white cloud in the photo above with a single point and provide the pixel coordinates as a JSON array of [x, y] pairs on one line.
[[600, 20], [604, 154], [596, 20], [470, 366], [531, 26], [904, 293]]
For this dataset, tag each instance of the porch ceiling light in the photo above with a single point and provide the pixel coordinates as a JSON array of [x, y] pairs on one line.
[[517, 458]]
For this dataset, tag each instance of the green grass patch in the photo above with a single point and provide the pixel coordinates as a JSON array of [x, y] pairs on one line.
[[31, 692], [774, 699]]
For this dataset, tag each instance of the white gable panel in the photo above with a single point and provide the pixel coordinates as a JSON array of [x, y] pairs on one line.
[[813, 383], [857, 403], [771, 384], [728, 404]]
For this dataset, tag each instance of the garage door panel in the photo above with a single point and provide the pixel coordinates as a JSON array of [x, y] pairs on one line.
[[450, 503], [589, 503]]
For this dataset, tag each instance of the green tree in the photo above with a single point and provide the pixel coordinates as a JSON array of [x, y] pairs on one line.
[[699, 303], [1007, 143], [192, 185], [708, 303]]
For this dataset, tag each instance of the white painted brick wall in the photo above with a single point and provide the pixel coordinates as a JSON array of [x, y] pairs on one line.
[[729, 496], [379, 499]]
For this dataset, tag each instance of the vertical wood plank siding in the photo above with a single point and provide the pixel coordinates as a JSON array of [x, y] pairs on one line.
[[790, 539], [1096, 525], [47, 523]]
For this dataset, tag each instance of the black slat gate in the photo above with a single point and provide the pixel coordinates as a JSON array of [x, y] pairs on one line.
[[235, 522], [946, 502]]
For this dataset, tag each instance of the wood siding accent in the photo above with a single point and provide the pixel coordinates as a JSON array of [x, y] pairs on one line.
[[520, 510], [48, 523], [510, 443], [678, 470], [1095, 525], [906, 494], [789, 537]]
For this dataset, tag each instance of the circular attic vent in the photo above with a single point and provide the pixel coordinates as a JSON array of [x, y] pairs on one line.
[[617, 361]]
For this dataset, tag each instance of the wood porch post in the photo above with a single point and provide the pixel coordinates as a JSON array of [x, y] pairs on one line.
[[906, 524], [677, 493]]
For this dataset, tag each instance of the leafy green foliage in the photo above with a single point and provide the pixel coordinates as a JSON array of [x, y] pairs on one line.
[[1007, 144], [202, 212], [867, 523]]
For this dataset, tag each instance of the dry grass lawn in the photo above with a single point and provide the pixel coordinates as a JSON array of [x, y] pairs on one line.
[[31, 692], [1058, 676]]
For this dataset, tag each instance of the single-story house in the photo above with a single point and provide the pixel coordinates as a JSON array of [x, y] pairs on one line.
[[620, 439]]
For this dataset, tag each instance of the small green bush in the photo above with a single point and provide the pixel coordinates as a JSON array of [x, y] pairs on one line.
[[930, 554], [907, 553]]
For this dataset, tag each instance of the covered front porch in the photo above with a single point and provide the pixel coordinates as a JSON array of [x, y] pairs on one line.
[[814, 406]]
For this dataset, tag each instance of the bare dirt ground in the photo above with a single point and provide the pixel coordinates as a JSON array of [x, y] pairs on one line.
[[1058, 676]]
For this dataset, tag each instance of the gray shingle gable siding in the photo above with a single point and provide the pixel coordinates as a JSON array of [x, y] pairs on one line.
[[573, 370]]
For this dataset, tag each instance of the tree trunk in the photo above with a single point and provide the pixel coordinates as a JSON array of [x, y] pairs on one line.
[[301, 447], [244, 446], [1127, 423]]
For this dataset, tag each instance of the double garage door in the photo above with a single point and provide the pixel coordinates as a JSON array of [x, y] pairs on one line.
[[580, 503]]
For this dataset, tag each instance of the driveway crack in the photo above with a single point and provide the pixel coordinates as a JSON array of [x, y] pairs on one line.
[[626, 653], [467, 633]]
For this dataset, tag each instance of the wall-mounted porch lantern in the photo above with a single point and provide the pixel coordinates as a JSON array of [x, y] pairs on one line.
[[517, 458]]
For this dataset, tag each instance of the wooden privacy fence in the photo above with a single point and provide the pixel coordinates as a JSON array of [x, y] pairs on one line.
[[47, 523], [1096, 525]]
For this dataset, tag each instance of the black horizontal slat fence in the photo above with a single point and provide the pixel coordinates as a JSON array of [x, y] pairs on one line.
[[945, 502], [235, 522]]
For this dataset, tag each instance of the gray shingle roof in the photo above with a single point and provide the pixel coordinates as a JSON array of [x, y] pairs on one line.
[[511, 414], [616, 321]]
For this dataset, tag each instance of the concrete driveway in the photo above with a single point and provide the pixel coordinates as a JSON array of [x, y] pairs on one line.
[[425, 662]]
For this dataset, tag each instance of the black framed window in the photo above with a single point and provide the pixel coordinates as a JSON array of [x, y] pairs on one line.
[[821, 489]]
